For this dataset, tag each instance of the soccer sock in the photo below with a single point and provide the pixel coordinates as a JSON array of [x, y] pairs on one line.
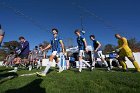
[[59, 65], [38, 62], [80, 66], [93, 64], [86, 63], [47, 68], [106, 63], [136, 65], [123, 64]]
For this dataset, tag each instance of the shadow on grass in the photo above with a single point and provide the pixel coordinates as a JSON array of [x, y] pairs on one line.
[[5, 70], [7, 76], [33, 87]]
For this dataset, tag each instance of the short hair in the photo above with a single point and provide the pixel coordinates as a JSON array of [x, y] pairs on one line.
[[40, 45], [36, 46], [117, 34], [92, 36], [0, 26], [21, 37], [55, 29], [77, 30]]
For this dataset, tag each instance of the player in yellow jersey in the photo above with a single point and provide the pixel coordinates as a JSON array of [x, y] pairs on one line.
[[124, 51]]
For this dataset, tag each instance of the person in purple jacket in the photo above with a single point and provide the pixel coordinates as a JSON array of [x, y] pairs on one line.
[[22, 52], [24, 48]]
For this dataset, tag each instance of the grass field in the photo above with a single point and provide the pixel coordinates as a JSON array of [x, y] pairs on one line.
[[97, 81]]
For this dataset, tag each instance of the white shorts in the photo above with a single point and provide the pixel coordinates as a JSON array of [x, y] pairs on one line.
[[55, 53], [81, 53], [2, 32], [98, 54]]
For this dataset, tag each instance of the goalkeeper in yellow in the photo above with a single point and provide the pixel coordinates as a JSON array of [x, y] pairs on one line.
[[124, 51]]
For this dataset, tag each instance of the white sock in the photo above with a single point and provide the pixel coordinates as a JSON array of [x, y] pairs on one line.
[[47, 68], [93, 64], [106, 63], [38, 62], [86, 63], [59, 65], [80, 66]]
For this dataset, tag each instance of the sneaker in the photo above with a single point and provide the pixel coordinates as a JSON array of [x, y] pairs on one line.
[[108, 69], [92, 68], [80, 70], [40, 74], [60, 70], [30, 68]]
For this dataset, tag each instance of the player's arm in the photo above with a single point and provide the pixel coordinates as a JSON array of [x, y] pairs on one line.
[[62, 45], [85, 43], [47, 47], [99, 45], [124, 43]]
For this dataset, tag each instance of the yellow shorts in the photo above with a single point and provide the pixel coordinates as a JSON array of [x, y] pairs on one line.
[[126, 54]]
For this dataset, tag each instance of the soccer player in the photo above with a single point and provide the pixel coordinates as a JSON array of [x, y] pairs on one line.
[[97, 51], [23, 50], [40, 56], [82, 46], [2, 33], [124, 51], [35, 55], [56, 43]]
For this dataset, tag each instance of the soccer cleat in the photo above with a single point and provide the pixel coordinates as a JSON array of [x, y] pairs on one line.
[[108, 69], [80, 70], [60, 70], [40, 74], [30, 68], [92, 68]]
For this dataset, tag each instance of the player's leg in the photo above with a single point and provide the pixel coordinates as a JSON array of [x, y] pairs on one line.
[[132, 59], [43, 73], [122, 61], [80, 60], [59, 65]]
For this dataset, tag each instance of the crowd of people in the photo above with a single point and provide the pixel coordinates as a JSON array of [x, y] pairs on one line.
[[32, 59]]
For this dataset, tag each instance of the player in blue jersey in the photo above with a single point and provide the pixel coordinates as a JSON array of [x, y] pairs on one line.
[[82, 46], [56, 44], [97, 51]]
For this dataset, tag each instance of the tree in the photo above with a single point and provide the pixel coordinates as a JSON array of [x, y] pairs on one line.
[[10, 46], [134, 45], [2, 54], [108, 48]]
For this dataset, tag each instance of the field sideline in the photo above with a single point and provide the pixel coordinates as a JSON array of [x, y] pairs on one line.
[[97, 81]]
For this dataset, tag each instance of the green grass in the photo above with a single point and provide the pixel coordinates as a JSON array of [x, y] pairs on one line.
[[97, 81]]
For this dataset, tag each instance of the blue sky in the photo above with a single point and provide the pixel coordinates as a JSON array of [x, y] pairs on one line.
[[123, 15]]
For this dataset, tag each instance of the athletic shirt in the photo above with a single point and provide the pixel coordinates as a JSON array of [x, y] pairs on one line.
[[80, 41], [96, 44], [24, 46], [123, 45], [40, 53], [55, 43], [35, 52]]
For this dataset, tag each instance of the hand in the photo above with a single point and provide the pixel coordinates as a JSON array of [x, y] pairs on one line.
[[42, 49], [95, 51]]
